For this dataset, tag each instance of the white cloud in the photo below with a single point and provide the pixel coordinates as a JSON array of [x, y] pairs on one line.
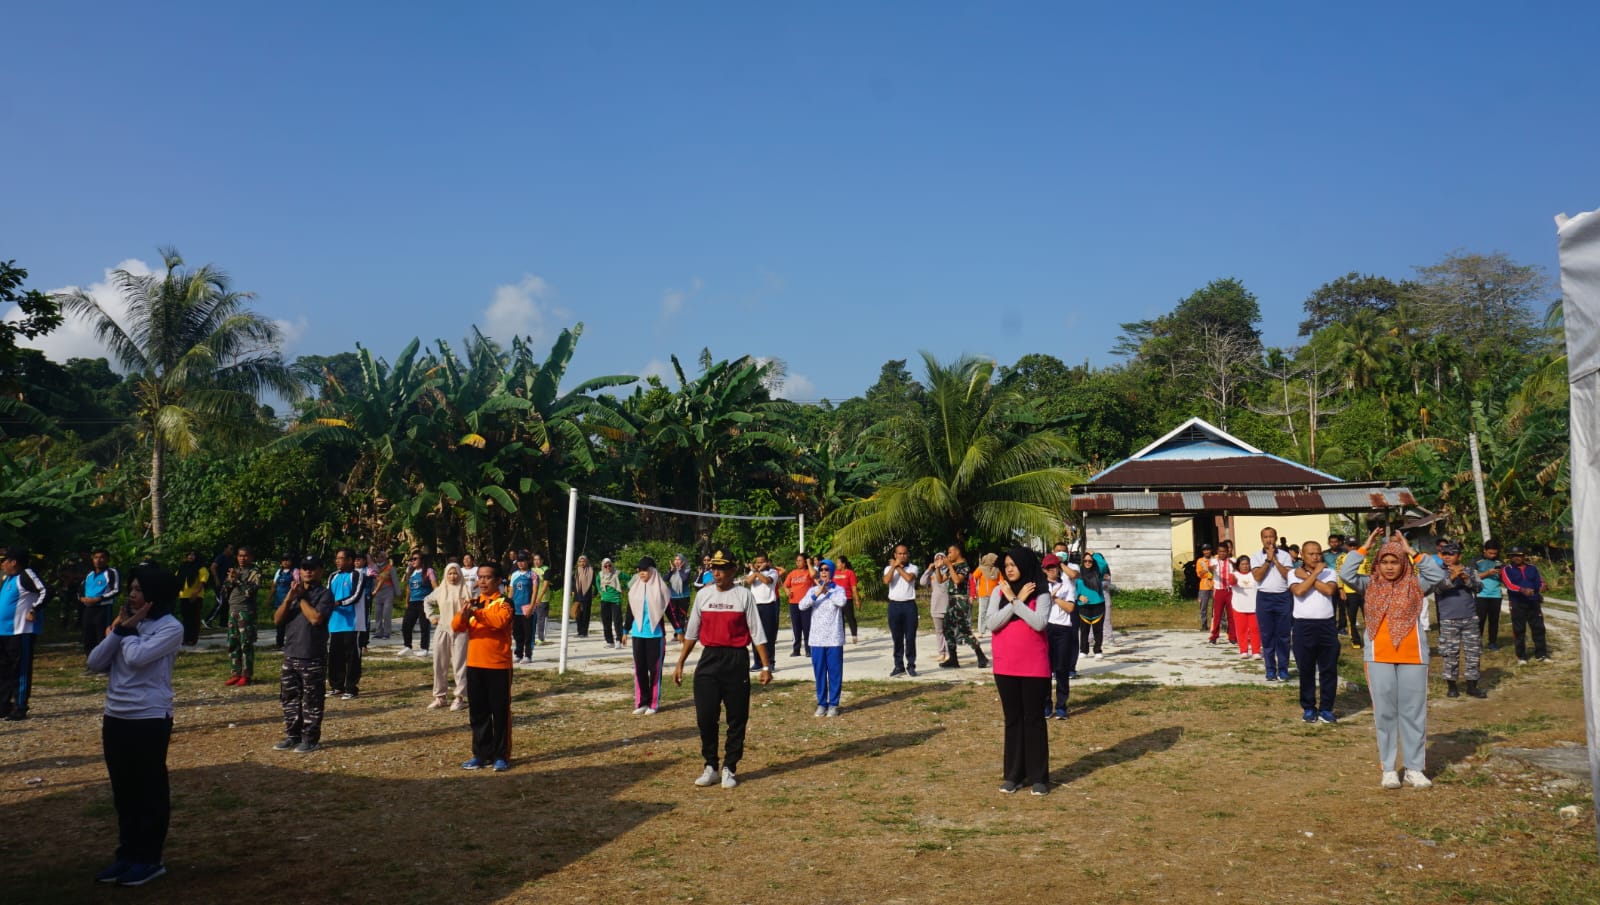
[[658, 368], [797, 388], [291, 332], [520, 309], [75, 338], [672, 300]]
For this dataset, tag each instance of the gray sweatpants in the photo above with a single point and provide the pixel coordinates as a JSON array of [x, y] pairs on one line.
[[1400, 712]]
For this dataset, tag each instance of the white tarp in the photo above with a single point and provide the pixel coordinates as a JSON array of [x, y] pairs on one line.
[[1579, 239]]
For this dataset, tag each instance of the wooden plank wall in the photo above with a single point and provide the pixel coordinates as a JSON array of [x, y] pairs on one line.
[[1137, 547]]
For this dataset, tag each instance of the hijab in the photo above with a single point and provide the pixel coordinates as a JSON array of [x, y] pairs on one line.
[[1029, 570], [1089, 573], [583, 578], [1399, 601], [987, 564], [189, 569], [452, 595], [609, 576], [159, 587], [647, 593]]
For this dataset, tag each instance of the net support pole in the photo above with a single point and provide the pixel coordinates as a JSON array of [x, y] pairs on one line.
[[566, 574], [802, 532]]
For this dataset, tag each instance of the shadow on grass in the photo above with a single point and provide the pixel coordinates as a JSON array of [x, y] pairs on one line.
[[1129, 749], [279, 816], [1111, 694], [893, 697], [1445, 749], [875, 746]]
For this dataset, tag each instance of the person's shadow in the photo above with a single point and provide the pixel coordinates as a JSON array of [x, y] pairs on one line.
[[1129, 749], [483, 835]]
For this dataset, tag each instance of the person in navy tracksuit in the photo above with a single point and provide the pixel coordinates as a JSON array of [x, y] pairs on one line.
[[21, 596]]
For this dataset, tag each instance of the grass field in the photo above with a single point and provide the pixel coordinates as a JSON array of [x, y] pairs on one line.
[[1162, 795]]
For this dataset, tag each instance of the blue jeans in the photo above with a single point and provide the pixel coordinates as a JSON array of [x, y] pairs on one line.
[[827, 664], [903, 629], [1275, 614]]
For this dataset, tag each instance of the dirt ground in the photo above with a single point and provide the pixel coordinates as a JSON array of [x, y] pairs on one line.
[[1162, 795]]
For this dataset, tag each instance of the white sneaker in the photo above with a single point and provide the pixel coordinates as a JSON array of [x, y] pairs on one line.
[[649, 711], [1099, 656], [833, 711], [458, 705], [728, 780], [707, 777], [821, 711], [1244, 656], [436, 705], [1416, 780], [1391, 779], [638, 711]]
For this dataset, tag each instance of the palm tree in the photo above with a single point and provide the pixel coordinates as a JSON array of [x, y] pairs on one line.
[[959, 469], [197, 357], [725, 411]]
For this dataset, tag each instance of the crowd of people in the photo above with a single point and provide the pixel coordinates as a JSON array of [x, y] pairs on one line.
[[1282, 597], [477, 620]]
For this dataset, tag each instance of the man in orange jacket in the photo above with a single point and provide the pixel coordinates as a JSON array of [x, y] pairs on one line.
[[486, 621]]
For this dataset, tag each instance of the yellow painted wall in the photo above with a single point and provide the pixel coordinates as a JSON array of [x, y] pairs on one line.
[[1182, 541], [1294, 529]]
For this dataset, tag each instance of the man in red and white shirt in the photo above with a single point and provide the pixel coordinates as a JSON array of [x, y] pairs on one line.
[[724, 620]]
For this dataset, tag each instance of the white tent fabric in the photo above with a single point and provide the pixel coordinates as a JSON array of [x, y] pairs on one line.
[[1579, 240]]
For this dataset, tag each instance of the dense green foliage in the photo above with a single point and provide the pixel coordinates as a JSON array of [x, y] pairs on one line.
[[477, 448]]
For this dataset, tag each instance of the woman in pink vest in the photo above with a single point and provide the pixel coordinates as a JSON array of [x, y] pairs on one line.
[[1019, 610]]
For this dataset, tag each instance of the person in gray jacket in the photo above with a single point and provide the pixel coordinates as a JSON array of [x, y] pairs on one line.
[[1457, 600], [138, 653]]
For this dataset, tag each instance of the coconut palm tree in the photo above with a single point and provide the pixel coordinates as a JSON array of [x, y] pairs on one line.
[[960, 470], [197, 357]]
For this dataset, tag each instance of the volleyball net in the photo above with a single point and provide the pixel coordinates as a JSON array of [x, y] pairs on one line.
[[574, 497]]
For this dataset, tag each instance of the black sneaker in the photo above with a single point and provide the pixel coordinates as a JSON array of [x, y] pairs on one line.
[[1008, 787], [911, 671], [113, 873], [288, 744], [897, 671], [307, 747], [140, 874], [1041, 788]]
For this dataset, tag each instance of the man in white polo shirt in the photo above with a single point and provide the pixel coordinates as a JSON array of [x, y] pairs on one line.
[[762, 580], [901, 577], [1316, 634], [1274, 605]]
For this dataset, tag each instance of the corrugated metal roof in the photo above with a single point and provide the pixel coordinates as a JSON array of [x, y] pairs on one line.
[[1315, 498], [1229, 471]]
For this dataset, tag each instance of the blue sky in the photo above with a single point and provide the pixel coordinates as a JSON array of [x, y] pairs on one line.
[[833, 184]]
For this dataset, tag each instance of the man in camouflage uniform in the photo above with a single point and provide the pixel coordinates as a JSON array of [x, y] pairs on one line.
[[239, 588], [304, 614], [1457, 599], [958, 614]]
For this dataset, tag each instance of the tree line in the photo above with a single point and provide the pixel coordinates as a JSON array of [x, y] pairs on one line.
[[165, 446]]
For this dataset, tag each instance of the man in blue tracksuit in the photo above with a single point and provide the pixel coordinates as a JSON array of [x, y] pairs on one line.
[[100, 589], [349, 617], [21, 595]]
